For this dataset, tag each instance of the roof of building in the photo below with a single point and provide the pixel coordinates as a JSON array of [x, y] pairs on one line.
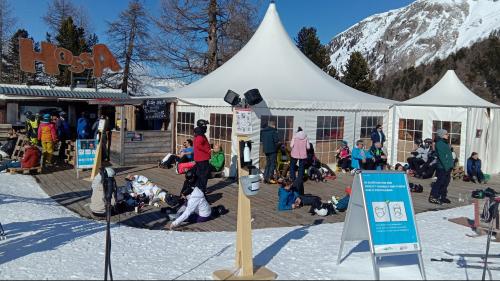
[[285, 77], [449, 91], [60, 92]]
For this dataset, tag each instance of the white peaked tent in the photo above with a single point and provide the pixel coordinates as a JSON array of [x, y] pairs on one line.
[[290, 84], [475, 127]]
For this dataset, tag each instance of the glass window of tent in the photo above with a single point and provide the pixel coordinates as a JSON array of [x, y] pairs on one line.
[[185, 128], [368, 123], [220, 132], [329, 135], [409, 131]]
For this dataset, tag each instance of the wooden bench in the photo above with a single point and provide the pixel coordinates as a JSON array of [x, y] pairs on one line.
[[25, 170]]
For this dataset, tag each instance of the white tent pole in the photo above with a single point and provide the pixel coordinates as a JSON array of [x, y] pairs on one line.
[[354, 131], [394, 152], [467, 141]]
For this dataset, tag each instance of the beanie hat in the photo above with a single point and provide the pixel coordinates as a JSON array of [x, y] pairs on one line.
[[348, 190], [441, 132], [46, 117]]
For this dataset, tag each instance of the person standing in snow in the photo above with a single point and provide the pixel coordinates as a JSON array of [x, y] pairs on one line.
[[299, 145]]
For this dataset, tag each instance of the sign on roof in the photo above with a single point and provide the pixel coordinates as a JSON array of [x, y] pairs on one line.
[[52, 56]]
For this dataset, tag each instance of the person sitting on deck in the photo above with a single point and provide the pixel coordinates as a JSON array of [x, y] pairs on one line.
[[283, 161], [7, 148], [216, 159], [195, 209], [379, 157], [184, 155], [31, 159], [344, 157], [361, 158], [289, 199], [474, 168]]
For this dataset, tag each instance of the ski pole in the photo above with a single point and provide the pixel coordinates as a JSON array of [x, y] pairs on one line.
[[2, 232], [490, 231]]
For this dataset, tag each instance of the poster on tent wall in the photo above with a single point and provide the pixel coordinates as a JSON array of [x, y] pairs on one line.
[[390, 213], [243, 121]]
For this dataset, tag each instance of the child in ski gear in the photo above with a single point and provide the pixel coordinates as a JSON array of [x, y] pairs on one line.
[[283, 160], [47, 136], [474, 168], [443, 170], [217, 159], [195, 210], [344, 157]]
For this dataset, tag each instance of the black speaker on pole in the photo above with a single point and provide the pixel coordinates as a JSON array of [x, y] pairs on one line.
[[232, 98], [253, 97]]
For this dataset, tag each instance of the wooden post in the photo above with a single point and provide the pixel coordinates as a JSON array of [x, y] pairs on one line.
[[97, 160], [244, 258]]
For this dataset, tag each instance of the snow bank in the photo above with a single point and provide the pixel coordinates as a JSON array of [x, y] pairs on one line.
[[47, 241]]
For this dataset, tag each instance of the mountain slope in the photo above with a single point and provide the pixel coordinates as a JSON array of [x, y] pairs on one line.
[[416, 34]]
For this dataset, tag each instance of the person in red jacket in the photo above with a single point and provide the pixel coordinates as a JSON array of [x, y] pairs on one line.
[[202, 155], [31, 159]]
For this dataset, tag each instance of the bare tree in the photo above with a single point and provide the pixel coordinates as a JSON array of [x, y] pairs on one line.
[[197, 36], [129, 38], [60, 10], [7, 22]]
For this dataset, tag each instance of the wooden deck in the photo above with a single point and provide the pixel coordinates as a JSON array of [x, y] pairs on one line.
[[74, 194]]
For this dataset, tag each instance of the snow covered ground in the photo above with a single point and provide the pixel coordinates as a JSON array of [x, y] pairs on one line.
[[47, 241]]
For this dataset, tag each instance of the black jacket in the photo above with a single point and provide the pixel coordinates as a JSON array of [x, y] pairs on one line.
[[270, 140]]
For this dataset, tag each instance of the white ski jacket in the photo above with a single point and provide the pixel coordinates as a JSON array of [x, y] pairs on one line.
[[196, 203]]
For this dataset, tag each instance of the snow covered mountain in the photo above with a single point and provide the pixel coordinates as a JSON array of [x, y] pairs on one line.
[[416, 34]]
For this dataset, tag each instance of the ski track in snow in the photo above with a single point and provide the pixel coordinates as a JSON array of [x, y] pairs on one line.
[[47, 241]]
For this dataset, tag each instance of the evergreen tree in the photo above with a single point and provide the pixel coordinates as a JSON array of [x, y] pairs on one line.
[[357, 73], [13, 73], [308, 42], [72, 38]]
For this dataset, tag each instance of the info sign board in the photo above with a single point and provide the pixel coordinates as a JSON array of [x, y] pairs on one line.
[[381, 211], [85, 153], [243, 121]]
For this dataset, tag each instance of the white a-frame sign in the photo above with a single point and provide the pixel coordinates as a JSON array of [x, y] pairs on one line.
[[381, 211]]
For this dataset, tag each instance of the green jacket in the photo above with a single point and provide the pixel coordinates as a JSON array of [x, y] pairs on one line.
[[279, 159], [445, 158], [217, 160]]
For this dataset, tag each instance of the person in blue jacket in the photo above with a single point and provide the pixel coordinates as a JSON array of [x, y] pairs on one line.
[[474, 168], [378, 135], [361, 158], [83, 127], [288, 199]]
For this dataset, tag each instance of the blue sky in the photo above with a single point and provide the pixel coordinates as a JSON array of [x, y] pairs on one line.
[[329, 17]]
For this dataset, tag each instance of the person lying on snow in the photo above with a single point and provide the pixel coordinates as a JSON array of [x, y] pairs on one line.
[[289, 199]]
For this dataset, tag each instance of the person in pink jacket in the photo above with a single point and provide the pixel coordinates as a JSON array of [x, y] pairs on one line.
[[299, 146]]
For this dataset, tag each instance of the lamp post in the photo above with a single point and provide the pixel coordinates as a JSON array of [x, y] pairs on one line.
[[245, 269]]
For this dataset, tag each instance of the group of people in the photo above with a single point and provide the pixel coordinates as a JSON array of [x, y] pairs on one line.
[[197, 155], [191, 205]]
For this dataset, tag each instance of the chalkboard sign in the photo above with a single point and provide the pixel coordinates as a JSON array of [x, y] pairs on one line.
[[155, 109]]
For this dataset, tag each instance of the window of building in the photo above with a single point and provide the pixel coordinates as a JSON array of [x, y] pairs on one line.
[[454, 130], [221, 129], [284, 125], [368, 123], [409, 131], [329, 135], [185, 128]]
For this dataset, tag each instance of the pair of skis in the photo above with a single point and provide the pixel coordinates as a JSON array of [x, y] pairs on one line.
[[461, 262]]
